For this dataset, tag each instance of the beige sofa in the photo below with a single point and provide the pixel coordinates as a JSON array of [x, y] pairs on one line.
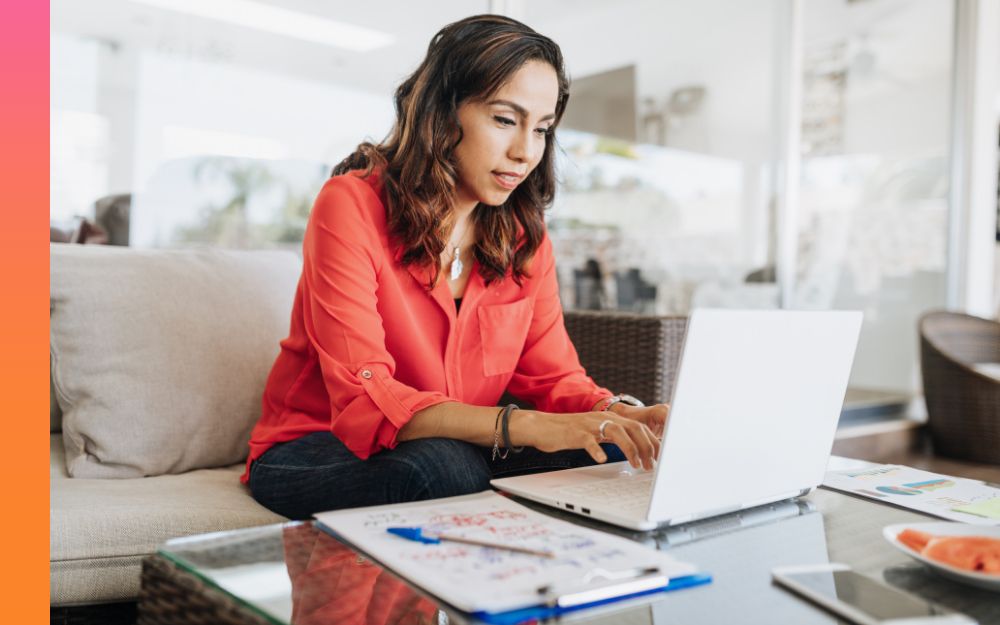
[[158, 359]]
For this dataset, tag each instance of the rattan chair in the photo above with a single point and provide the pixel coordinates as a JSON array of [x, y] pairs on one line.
[[963, 404], [629, 353]]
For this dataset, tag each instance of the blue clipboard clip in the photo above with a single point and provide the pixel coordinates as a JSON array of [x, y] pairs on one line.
[[598, 587]]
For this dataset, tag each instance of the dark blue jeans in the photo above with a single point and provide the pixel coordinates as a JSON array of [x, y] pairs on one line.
[[317, 472]]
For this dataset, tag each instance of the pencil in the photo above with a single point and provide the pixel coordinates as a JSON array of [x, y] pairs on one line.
[[417, 534], [484, 543]]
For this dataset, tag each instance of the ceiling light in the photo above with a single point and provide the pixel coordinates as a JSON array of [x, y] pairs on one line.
[[265, 17]]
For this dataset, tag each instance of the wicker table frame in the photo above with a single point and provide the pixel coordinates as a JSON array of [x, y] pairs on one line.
[[172, 596]]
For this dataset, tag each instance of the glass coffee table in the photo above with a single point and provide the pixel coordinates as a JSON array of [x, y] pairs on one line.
[[296, 574]]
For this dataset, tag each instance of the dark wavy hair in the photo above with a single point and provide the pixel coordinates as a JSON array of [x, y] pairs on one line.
[[468, 60]]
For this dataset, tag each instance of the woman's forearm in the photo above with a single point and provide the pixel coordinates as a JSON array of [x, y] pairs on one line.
[[464, 422], [546, 431], [473, 424]]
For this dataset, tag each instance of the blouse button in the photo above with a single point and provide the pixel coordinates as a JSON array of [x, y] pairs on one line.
[[366, 374]]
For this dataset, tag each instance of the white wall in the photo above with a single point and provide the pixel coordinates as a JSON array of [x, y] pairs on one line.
[[277, 116], [725, 46]]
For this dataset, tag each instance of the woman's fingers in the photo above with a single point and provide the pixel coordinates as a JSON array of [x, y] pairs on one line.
[[655, 417], [658, 418], [594, 449], [635, 440], [654, 444], [664, 412], [645, 442], [616, 433]]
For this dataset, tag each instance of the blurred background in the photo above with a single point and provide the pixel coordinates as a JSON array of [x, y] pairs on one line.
[[775, 153]]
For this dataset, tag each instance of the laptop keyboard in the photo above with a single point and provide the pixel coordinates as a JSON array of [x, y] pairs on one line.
[[628, 495]]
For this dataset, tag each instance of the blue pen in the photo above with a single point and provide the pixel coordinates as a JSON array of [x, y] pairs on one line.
[[416, 534]]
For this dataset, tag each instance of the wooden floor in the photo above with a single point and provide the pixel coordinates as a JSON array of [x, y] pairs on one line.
[[928, 461]]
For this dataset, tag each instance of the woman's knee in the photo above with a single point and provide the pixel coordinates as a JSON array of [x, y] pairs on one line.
[[317, 473], [441, 467], [310, 474]]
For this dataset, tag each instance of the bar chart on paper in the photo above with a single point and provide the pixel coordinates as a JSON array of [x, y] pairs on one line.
[[952, 498]]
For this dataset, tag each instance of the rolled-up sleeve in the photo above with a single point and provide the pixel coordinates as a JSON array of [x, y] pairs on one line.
[[342, 258], [548, 372]]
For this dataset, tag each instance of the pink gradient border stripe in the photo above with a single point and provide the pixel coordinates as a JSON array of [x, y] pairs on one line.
[[24, 162]]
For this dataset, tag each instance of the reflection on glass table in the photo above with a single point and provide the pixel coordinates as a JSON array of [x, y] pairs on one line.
[[333, 584]]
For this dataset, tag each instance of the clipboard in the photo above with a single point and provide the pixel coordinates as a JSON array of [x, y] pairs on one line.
[[501, 587]]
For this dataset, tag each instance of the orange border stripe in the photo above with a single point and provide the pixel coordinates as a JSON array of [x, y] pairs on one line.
[[24, 59]]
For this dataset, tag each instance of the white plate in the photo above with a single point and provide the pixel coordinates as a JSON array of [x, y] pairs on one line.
[[982, 580]]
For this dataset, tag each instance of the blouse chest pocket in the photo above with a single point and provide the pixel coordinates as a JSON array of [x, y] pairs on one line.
[[503, 329]]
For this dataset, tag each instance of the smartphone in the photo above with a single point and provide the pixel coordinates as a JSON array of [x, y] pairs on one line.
[[861, 599]]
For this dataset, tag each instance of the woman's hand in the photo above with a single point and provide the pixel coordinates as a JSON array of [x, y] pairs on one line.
[[551, 432], [654, 417]]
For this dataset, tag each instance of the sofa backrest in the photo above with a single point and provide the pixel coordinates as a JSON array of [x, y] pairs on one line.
[[159, 357]]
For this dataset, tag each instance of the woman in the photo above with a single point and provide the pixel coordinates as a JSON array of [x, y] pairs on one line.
[[428, 288]]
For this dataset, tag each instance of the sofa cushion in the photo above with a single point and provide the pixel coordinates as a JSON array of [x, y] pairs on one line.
[[100, 530], [159, 357]]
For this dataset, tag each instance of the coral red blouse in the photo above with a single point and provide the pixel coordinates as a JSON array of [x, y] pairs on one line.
[[369, 345]]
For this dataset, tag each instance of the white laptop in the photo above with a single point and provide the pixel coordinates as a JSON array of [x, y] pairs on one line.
[[752, 420]]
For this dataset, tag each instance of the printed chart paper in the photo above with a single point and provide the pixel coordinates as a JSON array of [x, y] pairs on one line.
[[485, 579], [989, 508], [940, 495]]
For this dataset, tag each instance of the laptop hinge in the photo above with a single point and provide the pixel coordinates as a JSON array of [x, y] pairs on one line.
[[704, 515], [783, 496]]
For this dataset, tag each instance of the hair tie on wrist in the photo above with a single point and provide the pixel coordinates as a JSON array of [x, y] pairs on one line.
[[501, 427], [505, 428]]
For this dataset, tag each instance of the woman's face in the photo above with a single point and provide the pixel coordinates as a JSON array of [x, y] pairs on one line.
[[503, 138]]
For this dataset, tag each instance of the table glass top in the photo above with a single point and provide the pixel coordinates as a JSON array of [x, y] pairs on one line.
[[296, 574]]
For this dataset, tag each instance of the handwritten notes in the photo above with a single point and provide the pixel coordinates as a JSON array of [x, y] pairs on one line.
[[476, 578]]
